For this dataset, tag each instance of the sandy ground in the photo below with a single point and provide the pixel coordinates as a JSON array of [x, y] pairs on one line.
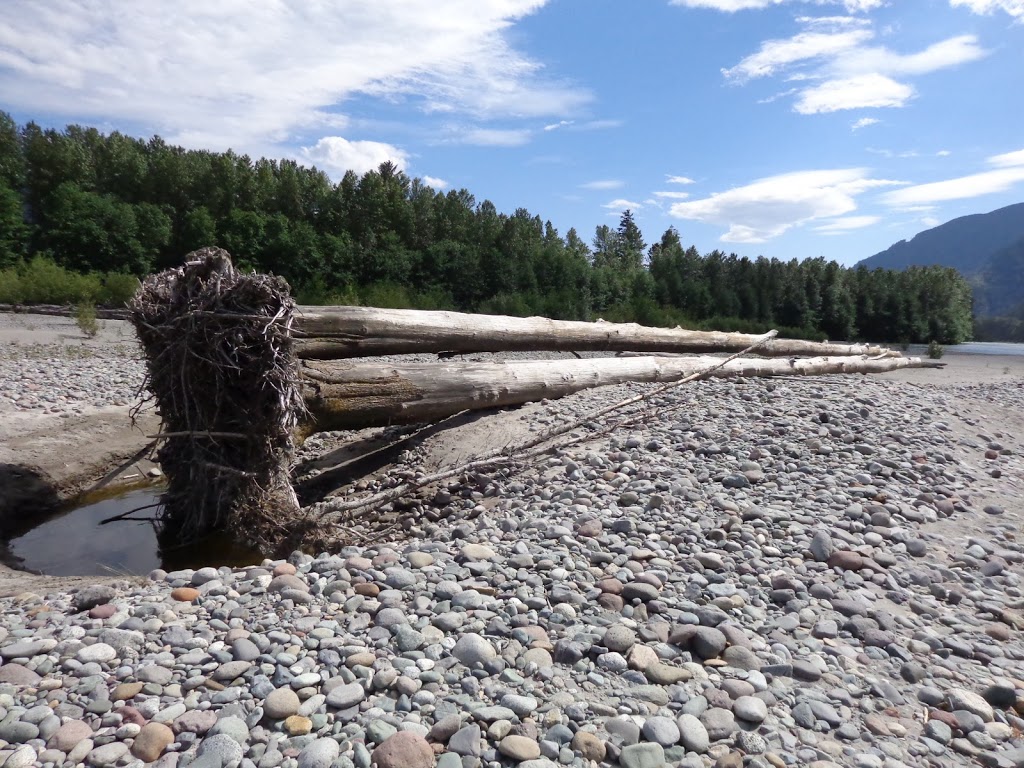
[[73, 453]]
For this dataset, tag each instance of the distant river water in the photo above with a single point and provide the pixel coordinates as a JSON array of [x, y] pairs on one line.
[[994, 348]]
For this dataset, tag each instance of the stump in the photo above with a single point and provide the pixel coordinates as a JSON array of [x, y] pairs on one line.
[[222, 371]]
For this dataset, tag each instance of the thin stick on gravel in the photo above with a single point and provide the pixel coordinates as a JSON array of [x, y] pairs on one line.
[[530, 447]]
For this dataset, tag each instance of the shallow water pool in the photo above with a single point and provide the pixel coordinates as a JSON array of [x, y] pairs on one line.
[[77, 542]]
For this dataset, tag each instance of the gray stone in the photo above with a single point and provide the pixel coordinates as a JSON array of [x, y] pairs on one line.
[[619, 637], [281, 703], [91, 596], [221, 747], [98, 652], [473, 649], [692, 734], [231, 726], [244, 649], [638, 590], [750, 709], [751, 742], [320, 753], [661, 730], [521, 705], [642, 756], [151, 673], [110, 754], [28, 648], [231, 670], [345, 696], [519, 748], [821, 546], [961, 698], [626, 730], [466, 741], [708, 642], [720, 723]]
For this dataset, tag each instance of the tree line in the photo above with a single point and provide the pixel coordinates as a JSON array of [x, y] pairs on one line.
[[111, 204]]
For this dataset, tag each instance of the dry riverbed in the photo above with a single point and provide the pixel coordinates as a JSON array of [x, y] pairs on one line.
[[765, 573]]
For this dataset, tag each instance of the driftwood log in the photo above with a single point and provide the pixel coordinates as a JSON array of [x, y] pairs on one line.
[[333, 333], [352, 394], [238, 372]]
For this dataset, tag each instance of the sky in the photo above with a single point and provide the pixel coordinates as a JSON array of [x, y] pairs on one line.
[[783, 128]]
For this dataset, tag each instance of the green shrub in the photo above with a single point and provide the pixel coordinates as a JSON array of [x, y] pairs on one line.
[[433, 299], [935, 350], [10, 286], [386, 296], [318, 293], [506, 304], [85, 317], [43, 281], [117, 289]]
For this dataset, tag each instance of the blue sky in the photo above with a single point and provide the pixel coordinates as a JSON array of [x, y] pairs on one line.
[[784, 128]]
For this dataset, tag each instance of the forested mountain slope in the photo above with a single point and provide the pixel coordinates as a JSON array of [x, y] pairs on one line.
[[79, 202], [987, 248]]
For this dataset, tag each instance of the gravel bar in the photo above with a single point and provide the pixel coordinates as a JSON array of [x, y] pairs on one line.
[[798, 572]]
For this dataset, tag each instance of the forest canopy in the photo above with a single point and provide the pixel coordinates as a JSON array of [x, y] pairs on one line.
[[79, 201]]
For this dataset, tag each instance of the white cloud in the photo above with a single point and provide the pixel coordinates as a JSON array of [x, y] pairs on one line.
[[768, 207], [621, 204], [559, 124], [847, 224], [853, 93], [840, 69], [941, 55], [891, 153], [672, 195], [930, 221], [975, 185], [495, 137], [1013, 7], [678, 179], [334, 153], [1009, 159], [435, 182], [731, 6], [589, 125], [778, 54], [597, 125], [256, 74], [864, 122], [943, 153], [603, 184]]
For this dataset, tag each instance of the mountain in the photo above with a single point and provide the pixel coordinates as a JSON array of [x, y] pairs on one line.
[[987, 248]]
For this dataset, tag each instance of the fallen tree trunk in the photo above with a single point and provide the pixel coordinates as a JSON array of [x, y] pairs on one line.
[[332, 333], [351, 394], [61, 310]]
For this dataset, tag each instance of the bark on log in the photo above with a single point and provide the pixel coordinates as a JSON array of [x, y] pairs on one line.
[[332, 333], [355, 394]]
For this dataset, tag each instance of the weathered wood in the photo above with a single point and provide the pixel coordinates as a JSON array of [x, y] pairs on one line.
[[62, 310], [332, 333], [356, 394]]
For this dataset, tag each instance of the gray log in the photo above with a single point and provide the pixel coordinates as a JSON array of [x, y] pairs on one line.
[[357, 394], [332, 333]]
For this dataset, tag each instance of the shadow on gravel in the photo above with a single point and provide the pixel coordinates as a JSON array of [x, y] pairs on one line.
[[360, 458]]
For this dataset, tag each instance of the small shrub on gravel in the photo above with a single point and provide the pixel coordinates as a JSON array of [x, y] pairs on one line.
[[935, 350], [85, 317]]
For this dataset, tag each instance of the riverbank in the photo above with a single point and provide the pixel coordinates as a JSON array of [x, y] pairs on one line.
[[822, 571]]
